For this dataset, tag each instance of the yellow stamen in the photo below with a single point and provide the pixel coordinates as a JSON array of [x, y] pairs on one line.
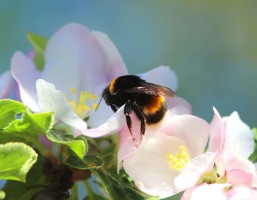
[[178, 161], [80, 107]]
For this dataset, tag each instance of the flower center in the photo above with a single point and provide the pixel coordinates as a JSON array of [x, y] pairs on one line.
[[179, 160], [80, 107], [212, 177]]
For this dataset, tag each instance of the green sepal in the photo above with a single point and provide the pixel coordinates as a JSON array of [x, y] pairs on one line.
[[88, 162], [39, 45]]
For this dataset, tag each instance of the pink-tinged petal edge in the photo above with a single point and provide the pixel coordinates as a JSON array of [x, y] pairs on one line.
[[114, 64], [217, 133], [178, 106], [6, 84]]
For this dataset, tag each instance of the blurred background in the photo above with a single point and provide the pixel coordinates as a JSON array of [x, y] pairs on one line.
[[211, 45]]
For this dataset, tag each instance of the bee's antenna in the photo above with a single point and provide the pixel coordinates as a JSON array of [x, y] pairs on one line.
[[98, 103]]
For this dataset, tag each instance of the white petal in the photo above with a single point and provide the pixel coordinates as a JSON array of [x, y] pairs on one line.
[[111, 126], [52, 100], [148, 164], [210, 192], [239, 137], [161, 75]]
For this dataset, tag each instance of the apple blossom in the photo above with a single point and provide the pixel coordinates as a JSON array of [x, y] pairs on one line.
[[231, 171], [170, 160]]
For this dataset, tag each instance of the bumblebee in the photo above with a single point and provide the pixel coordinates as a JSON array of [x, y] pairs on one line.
[[146, 100]]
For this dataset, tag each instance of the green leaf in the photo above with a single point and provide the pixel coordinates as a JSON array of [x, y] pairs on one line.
[[28, 128], [9, 110], [88, 162], [118, 187], [253, 156], [78, 145], [39, 45], [24, 191], [16, 160], [31, 123]]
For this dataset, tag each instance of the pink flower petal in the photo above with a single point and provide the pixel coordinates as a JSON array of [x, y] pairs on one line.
[[242, 193], [239, 177], [114, 65], [217, 133], [228, 162], [191, 129], [25, 73], [178, 106], [77, 57], [6, 84]]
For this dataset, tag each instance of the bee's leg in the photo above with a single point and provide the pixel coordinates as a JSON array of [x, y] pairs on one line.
[[127, 112], [114, 109], [141, 117]]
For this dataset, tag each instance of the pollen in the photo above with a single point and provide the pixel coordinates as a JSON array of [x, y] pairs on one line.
[[179, 160], [79, 106]]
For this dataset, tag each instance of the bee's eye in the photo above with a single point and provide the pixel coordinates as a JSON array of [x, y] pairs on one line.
[[106, 98]]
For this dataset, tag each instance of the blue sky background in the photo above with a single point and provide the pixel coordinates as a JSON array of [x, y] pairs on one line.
[[211, 45]]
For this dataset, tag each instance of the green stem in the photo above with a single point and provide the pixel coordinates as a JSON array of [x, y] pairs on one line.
[[90, 191]]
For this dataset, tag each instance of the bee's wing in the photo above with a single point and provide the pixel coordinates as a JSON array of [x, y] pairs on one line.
[[152, 89]]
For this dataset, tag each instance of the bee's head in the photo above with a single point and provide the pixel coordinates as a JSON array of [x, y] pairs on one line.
[[107, 96]]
